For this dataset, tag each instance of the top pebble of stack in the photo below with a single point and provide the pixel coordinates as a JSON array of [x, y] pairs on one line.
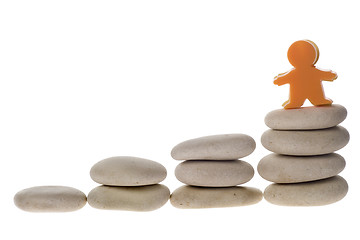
[[128, 171], [215, 147], [306, 118]]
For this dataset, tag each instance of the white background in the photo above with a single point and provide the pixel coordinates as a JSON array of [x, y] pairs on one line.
[[81, 81]]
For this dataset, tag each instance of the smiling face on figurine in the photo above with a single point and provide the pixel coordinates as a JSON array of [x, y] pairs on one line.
[[303, 53]]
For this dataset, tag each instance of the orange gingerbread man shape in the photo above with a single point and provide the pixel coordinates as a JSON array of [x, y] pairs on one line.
[[305, 79]]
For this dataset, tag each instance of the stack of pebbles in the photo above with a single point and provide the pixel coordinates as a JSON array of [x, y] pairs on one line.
[[212, 170], [304, 166], [129, 183]]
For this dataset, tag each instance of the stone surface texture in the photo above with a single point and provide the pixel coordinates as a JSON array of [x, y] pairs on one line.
[[188, 197], [305, 142], [128, 171], [216, 147], [144, 198], [292, 169], [214, 173], [316, 117], [50, 199], [316, 193]]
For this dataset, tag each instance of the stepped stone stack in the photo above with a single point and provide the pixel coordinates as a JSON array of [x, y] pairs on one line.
[[303, 164], [129, 183], [212, 169]]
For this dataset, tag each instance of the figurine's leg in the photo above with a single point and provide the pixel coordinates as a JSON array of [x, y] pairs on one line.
[[294, 103], [320, 100], [317, 97]]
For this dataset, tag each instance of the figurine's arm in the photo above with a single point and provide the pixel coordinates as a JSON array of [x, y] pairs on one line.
[[327, 75], [282, 78]]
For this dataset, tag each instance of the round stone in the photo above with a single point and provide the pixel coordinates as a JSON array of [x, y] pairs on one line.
[[50, 199], [127, 171], [316, 193], [144, 198], [188, 197], [216, 147], [317, 117], [292, 169], [214, 173], [306, 142]]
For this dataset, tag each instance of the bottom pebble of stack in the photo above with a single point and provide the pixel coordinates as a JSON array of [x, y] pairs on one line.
[[50, 199], [189, 197], [144, 198], [316, 193]]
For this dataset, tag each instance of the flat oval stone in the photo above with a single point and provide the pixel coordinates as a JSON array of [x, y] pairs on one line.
[[188, 197], [306, 142], [127, 171], [144, 198], [214, 173], [316, 193], [50, 199], [316, 117], [292, 169], [216, 147]]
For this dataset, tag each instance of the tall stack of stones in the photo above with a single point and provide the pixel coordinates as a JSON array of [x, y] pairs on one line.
[[303, 164], [212, 170], [128, 183]]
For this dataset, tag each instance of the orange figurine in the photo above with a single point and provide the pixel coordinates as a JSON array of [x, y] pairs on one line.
[[304, 79]]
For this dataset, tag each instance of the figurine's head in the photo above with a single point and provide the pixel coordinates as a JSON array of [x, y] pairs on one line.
[[303, 53]]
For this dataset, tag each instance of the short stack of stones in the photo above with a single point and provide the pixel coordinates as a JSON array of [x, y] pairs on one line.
[[303, 164], [212, 170], [129, 183]]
